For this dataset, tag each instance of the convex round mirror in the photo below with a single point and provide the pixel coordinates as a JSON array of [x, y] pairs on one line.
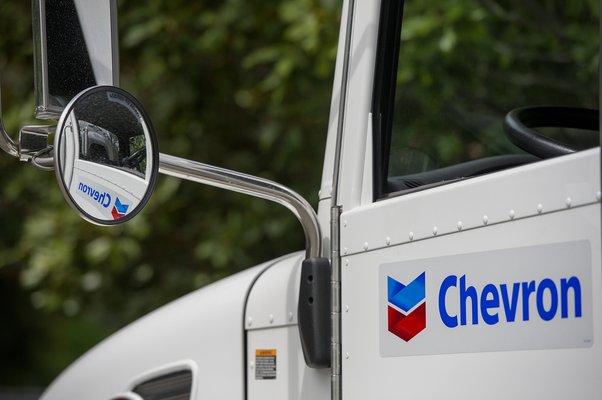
[[106, 155]]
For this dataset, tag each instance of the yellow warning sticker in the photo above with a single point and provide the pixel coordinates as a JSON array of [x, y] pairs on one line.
[[265, 353], [265, 364]]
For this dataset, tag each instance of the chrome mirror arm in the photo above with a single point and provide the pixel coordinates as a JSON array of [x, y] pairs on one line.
[[6, 143], [251, 185], [33, 143]]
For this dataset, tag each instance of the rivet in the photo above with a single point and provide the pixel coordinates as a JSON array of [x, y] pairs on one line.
[[251, 365], [539, 208], [290, 316], [249, 321], [365, 246], [434, 231], [345, 224], [460, 225], [411, 235], [598, 195], [345, 251], [347, 355], [388, 240], [346, 262], [271, 318], [511, 214], [485, 220], [568, 202], [347, 308]]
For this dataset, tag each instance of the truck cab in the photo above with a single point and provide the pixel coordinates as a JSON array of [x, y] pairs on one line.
[[458, 263]]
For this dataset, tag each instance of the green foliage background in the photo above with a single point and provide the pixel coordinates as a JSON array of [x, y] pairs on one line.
[[465, 64], [243, 85]]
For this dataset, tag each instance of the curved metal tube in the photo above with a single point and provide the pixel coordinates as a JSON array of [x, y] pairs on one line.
[[6, 143], [251, 185]]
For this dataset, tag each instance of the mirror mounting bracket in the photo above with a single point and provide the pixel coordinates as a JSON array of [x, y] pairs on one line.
[[33, 139]]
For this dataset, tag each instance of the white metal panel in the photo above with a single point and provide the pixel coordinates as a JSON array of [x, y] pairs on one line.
[[273, 299], [367, 196], [271, 323], [329, 157], [324, 219], [359, 97], [552, 373], [359, 101], [203, 330], [553, 201], [294, 380], [503, 197]]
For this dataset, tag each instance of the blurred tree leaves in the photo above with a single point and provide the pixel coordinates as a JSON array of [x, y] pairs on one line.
[[464, 64], [243, 85]]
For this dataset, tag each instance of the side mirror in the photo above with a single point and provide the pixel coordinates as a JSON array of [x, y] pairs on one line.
[[75, 47], [106, 155]]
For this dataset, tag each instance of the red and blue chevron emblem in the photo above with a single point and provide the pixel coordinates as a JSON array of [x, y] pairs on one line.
[[119, 209], [406, 307]]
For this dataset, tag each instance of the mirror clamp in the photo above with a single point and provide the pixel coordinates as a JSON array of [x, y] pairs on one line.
[[33, 139]]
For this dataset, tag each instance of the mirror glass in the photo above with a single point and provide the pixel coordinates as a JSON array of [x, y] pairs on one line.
[[106, 155]]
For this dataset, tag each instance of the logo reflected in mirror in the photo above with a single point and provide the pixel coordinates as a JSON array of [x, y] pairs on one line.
[[119, 210], [106, 155], [103, 199]]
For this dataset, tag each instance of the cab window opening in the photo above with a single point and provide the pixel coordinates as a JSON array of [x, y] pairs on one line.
[[448, 76]]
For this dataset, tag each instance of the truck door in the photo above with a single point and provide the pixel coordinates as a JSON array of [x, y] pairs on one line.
[[473, 267]]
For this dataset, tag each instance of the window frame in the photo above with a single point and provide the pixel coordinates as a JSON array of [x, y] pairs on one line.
[[384, 90]]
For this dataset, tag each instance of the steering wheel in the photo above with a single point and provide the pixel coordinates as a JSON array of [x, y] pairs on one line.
[[518, 124], [135, 159]]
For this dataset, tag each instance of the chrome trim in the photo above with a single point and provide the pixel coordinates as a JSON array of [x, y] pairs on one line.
[[335, 306], [126, 396], [34, 139], [40, 61], [44, 159], [6, 143], [342, 105], [336, 384], [251, 185]]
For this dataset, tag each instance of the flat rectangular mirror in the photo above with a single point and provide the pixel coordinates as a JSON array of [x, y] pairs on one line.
[[75, 47]]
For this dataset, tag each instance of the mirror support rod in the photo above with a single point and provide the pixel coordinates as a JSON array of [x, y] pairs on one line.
[[6, 143], [251, 185]]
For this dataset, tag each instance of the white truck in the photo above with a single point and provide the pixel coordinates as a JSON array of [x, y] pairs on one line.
[[479, 278]]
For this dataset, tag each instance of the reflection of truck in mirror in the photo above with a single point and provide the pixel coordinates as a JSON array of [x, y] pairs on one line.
[[106, 157], [461, 261], [99, 145]]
